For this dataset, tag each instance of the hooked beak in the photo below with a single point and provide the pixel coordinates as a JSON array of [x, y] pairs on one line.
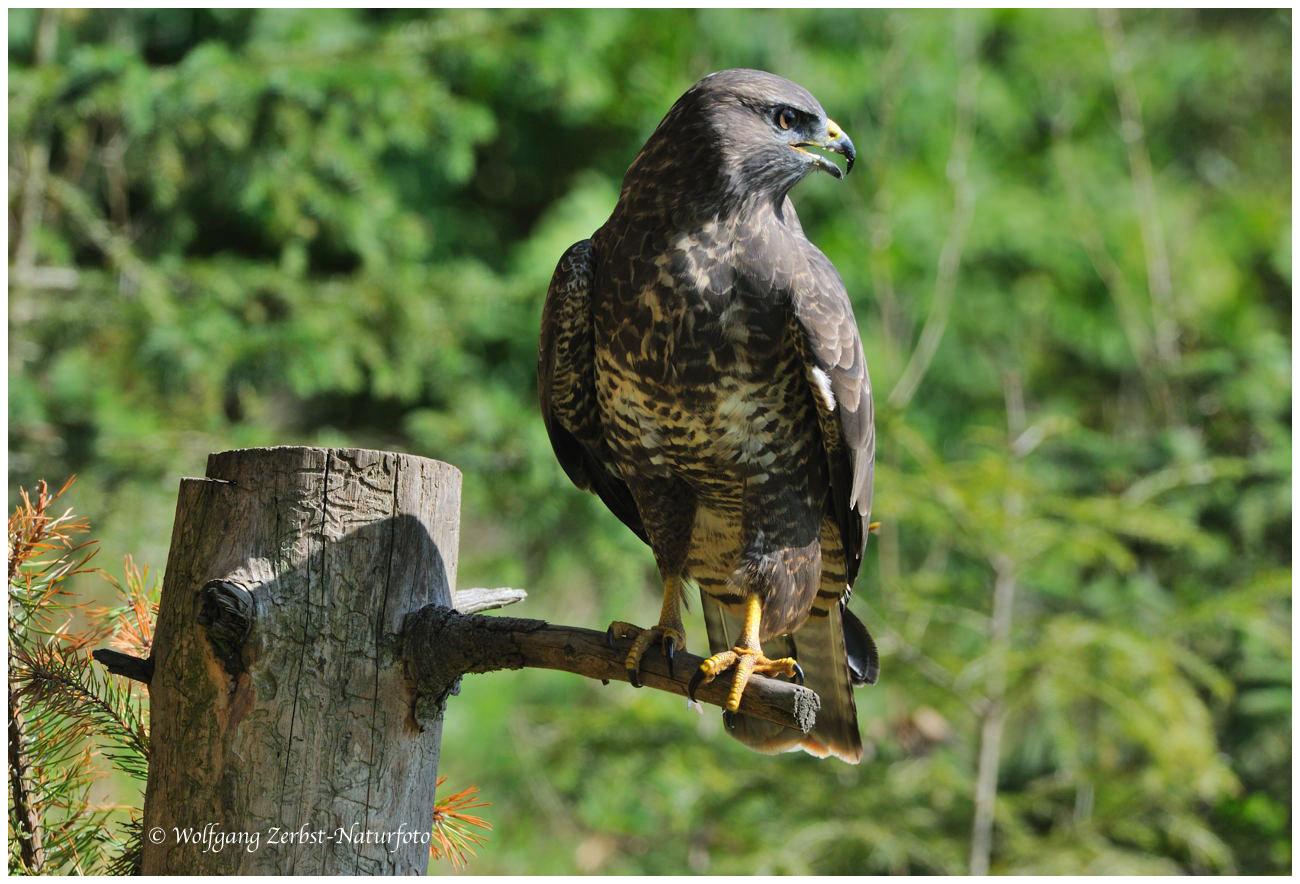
[[836, 141]]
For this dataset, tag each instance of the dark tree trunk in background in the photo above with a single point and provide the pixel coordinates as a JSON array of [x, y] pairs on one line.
[[279, 705]]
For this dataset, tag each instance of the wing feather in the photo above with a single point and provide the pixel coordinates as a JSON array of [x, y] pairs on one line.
[[835, 363], [566, 386]]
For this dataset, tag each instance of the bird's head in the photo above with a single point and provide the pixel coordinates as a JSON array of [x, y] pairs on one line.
[[753, 133]]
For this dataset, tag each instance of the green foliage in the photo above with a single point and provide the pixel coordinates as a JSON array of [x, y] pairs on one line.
[[1069, 250]]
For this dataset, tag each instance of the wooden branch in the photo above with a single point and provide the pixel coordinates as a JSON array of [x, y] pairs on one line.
[[442, 644], [220, 597], [127, 665], [471, 601]]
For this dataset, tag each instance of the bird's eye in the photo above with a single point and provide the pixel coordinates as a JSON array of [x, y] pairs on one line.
[[786, 118]]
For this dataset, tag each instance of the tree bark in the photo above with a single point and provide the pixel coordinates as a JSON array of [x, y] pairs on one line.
[[283, 739]]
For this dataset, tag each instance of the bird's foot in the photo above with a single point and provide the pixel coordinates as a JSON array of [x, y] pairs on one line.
[[672, 639], [746, 661]]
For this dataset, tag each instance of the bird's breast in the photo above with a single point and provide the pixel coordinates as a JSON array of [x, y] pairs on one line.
[[701, 388]]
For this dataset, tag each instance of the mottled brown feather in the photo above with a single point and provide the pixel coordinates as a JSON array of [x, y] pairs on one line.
[[566, 388]]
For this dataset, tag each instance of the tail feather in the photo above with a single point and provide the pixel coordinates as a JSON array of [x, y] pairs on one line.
[[819, 646], [864, 660]]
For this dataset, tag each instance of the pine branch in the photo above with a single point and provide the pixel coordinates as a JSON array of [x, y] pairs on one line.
[[27, 827], [72, 688], [61, 706], [452, 837], [130, 849]]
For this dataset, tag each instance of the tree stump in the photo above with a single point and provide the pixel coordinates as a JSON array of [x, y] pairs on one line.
[[306, 644], [283, 739]]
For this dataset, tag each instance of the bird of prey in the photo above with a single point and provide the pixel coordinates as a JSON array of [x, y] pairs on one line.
[[700, 370]]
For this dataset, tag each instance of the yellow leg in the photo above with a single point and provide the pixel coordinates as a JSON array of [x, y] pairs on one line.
[[669, 631], [747, 657]]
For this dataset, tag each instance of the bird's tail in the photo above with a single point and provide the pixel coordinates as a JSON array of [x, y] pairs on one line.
[[819, 646]]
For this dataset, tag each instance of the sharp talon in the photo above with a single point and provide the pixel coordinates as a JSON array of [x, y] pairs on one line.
[[729, 719], [798, 673], [670, 648], [695, 683], [604, 681], [631, 676], [609, 637]]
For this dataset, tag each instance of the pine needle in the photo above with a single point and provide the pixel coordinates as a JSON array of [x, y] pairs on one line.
[[453, 839]]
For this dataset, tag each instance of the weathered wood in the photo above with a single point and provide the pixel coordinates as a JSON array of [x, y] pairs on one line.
[[442, 645], [471, 601], [279, 707]]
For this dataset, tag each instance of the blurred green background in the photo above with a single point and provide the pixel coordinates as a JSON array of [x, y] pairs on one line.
[[1068, 242]]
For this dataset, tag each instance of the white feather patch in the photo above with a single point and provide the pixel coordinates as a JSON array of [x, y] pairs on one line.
[[823, 383]]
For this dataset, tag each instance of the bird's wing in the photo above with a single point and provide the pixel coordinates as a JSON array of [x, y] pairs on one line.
[[833, 647], [566, 386], [837, 373]]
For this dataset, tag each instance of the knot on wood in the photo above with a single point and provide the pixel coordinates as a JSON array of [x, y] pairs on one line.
[[227, 611]]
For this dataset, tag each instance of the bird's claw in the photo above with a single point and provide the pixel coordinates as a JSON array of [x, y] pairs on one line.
[[747, 662], [671, 636], [729, 719], [696, 680]]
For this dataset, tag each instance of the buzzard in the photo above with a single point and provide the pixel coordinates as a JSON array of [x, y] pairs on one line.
[[700, 370]]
